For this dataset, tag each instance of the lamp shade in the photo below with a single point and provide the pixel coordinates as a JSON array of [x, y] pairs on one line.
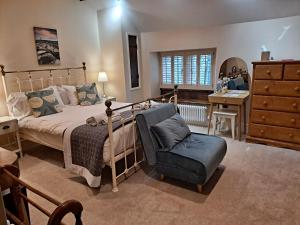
[[102, 77]]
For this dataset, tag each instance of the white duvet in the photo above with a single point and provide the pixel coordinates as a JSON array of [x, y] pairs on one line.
[[72, 115]]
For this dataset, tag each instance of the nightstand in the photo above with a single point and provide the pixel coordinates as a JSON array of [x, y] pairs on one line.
[[9, 125], [110, 98]]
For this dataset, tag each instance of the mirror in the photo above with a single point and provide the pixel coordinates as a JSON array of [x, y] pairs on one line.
[[234, 72]]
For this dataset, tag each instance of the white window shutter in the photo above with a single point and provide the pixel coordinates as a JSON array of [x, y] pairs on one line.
[[166, 69], [191, 70], [205, 69], [178, 69]]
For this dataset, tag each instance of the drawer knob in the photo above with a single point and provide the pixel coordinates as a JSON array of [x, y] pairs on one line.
[[294, 105], [298, 72], [262, 131], [268, 72], [265, 103], [263, 118], [297, 89], [6, 127], [291, 135], [266, 88], [293, 120]]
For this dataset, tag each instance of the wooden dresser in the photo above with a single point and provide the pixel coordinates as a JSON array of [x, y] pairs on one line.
[[275, 104]]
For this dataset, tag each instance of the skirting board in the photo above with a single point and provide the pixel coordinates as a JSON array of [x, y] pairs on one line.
[[275, 143]]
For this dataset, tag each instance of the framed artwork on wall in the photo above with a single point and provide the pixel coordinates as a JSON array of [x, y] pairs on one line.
[[47, 48]]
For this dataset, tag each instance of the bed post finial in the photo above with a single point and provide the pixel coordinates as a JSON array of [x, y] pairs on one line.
[[2, 70], [176, 87], [175, 94], [84, 71], [108, 110]]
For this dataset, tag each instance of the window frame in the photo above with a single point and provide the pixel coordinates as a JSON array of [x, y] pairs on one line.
[[185, 54], [138, 58]]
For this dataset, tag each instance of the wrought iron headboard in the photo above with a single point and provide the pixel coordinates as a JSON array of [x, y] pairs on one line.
[[29, 79]]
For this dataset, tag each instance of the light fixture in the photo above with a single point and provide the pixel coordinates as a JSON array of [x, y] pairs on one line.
[[118, 9], [102, 78]]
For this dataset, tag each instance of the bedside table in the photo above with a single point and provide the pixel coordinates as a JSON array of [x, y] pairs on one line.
[[109, 98], [9, 125]]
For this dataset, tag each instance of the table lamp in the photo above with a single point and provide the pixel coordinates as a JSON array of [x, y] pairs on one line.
[[102, 78]]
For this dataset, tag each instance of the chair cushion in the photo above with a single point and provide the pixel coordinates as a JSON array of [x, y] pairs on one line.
[[170, 131], [194, 159], [145, 120]]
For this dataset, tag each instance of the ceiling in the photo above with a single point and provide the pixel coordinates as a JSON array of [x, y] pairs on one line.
[[156, 15]]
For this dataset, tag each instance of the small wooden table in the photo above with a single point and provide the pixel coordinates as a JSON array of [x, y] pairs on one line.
[[232, 97], [9, 125]]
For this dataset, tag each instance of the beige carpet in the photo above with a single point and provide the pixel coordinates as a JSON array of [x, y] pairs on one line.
[[257, 185]]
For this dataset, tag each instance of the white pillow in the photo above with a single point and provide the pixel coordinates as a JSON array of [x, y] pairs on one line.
[[64, 95], [72, 94], [55, 93], [18, 105]]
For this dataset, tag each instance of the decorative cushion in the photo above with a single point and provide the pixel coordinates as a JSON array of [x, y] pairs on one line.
[[55, 93], [170, 131], [18, 105], [88, 94], [72, 94], [43, 103]]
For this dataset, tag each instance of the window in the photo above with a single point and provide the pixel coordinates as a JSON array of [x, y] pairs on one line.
[[133, 53], [190, 69]]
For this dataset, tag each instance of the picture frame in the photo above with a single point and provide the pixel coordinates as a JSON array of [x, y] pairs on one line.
[[47, 48]]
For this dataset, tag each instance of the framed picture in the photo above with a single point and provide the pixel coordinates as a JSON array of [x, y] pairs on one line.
[[46, 46]]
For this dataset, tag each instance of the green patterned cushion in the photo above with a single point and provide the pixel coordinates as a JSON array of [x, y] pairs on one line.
[[88, 94], [43, 103]]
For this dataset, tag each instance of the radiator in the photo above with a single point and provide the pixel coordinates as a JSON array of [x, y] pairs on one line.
[[194, 114]]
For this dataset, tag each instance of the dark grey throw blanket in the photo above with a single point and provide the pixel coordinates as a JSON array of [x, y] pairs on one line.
[[87, 144]]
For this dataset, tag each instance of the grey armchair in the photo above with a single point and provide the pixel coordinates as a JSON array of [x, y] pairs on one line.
[[174, 151]]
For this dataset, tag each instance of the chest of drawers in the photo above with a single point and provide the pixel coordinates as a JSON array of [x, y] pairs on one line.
[[275, 104]]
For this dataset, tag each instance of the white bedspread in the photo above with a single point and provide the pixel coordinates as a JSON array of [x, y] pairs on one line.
[[63, 123], [57, 123]]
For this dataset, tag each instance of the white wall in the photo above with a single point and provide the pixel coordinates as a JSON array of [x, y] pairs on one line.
[[242, 40], [77, 28], [113, 31], [133, 95], [112, 60]]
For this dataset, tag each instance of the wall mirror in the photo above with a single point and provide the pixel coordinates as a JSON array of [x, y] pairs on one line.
[[234, 70]]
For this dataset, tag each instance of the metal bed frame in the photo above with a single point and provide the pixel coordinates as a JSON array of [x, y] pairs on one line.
[[111, 114]]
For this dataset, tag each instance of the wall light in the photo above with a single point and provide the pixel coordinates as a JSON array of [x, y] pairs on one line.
[[118, 9]]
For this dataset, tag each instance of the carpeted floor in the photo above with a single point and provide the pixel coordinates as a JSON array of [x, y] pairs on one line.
[[256, 185]]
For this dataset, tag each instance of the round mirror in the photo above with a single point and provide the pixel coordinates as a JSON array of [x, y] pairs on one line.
[[234, 70]]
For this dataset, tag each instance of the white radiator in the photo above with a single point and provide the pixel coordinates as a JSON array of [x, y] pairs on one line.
[[194, 114]]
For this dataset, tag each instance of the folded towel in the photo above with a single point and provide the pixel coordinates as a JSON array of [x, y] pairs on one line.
[[102, 119], [115, 117], [95, 120]]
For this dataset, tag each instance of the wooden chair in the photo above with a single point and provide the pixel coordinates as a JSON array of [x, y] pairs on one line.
[[9, 179]]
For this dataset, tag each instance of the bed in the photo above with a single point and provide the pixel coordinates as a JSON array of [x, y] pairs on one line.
[[55, 130]]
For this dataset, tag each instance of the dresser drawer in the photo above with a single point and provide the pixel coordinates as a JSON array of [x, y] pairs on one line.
[[283, 104], [8, 127], [275, 133], [276, 118], [277, 88], [292, 72], [267, 72]]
